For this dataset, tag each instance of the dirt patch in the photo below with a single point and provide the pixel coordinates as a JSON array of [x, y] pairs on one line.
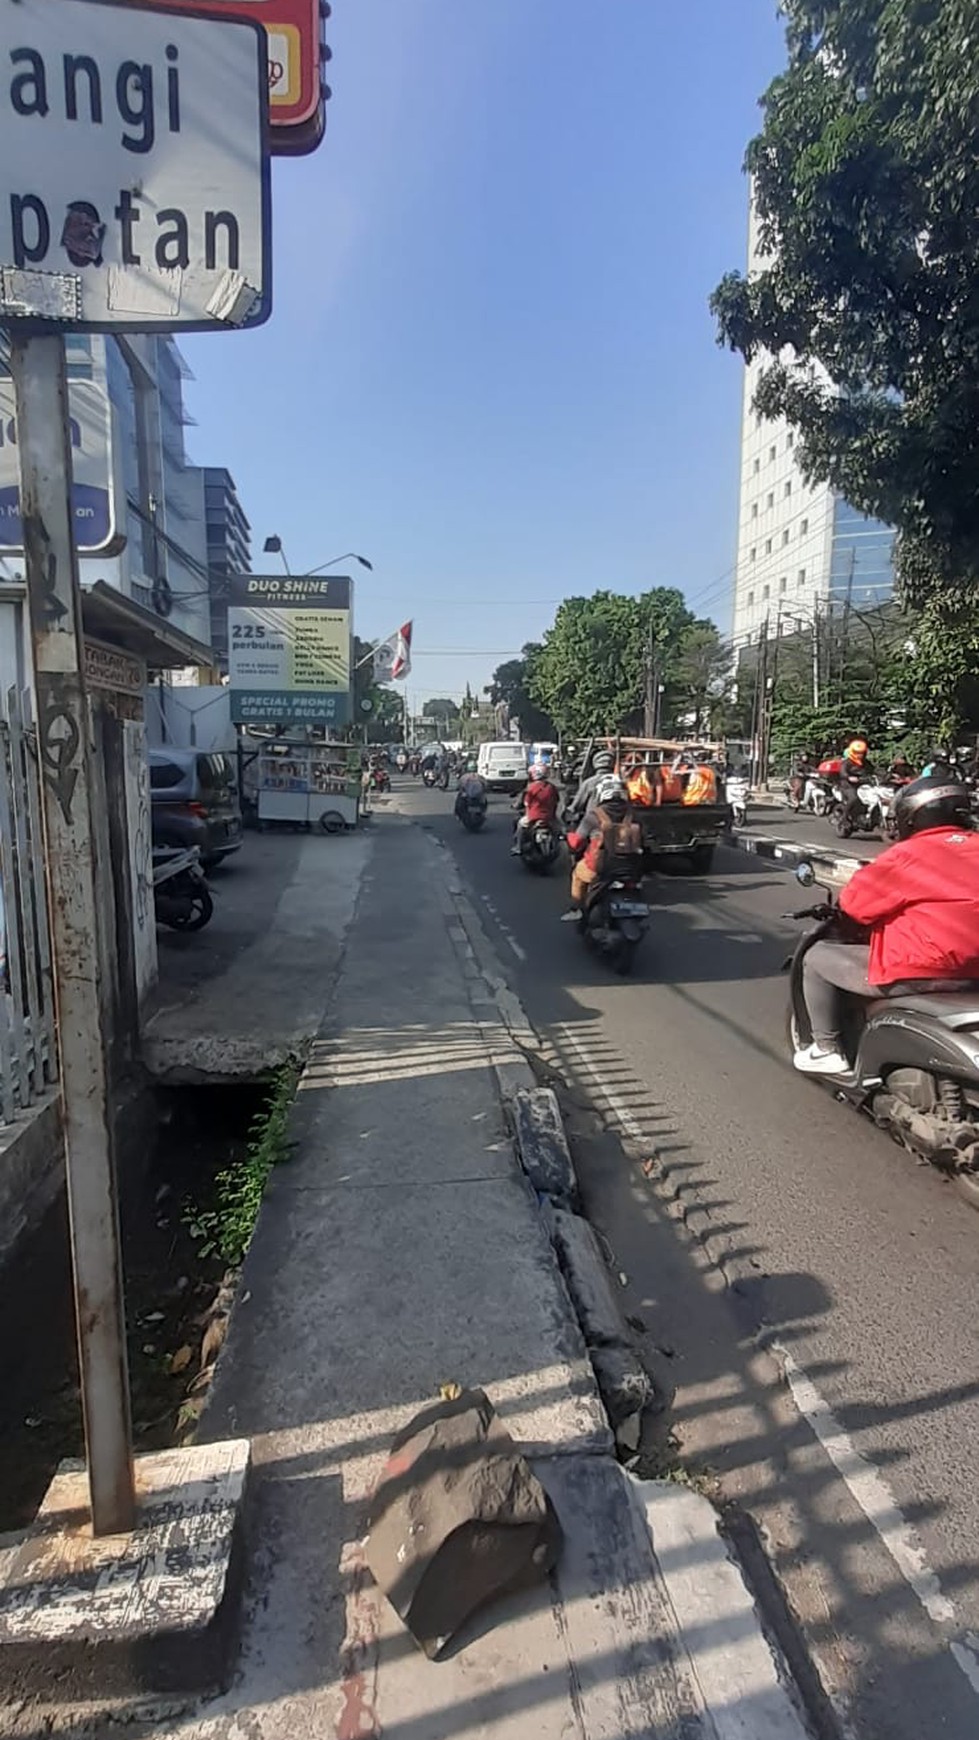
[[170, 1296]]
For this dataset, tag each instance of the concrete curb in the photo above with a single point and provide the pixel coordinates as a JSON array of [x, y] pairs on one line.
[[833, 867], [735, 1667]]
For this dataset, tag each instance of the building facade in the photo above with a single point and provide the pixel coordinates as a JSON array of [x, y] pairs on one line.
[[139, 502], [229, 549], [802, 549]]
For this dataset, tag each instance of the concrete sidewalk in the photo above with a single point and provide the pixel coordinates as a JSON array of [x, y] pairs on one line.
[[238, 998], [399, 1250]]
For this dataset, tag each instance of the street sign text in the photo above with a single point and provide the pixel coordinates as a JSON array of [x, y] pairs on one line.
[[132, 154]]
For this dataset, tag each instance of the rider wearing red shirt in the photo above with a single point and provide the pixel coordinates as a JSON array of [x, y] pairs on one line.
[[538, 801], [920, 902]]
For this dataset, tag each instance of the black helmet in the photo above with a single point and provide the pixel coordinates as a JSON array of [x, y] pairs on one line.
[[936, 801]]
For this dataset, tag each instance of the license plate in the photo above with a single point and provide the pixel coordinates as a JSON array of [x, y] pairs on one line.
[[629, 909]]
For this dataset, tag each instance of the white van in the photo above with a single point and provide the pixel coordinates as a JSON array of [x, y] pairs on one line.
[[503, 766]]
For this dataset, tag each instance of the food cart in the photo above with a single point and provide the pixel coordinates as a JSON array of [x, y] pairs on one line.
[[316, 784]]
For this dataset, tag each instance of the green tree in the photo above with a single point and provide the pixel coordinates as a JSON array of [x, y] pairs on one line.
[[384, 719], [866, 183], [440, 709], [589, 674], [510, 684], [701, 678]]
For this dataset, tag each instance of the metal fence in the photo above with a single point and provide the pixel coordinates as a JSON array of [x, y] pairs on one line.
[[28, 1059]]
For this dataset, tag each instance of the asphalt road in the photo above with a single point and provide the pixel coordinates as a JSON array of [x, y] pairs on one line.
[[810, 830], [831, 1387]]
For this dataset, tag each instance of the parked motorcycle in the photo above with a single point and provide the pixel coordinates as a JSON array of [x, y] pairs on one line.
[[915, 1057], [614, 920], [738, 793], [876, 803], [180, 893], [540, 847]]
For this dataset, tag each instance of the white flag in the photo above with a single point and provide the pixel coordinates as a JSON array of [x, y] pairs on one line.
[[392, 657]]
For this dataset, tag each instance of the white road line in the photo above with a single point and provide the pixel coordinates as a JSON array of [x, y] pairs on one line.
[[520, 953], [866, 1486]]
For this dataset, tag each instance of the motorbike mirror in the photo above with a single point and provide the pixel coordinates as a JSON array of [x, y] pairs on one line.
[[805, 875]]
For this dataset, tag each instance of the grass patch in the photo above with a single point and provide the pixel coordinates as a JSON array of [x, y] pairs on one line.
[[225, 1228]]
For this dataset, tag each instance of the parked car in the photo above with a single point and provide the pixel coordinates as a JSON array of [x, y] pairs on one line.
[[195, 802]]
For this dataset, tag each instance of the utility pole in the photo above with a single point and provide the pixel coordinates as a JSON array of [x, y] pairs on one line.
[[37, 364], [649, 680], [760, 747], [815, 654]]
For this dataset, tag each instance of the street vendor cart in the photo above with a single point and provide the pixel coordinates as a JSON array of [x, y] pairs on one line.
[[317, 784]]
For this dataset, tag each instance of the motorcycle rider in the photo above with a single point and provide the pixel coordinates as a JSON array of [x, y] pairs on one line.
[[855, 769], [920, 901], [802, 770], [602, 765], [538, 802], [589, 843], [900, 771], [471, 789]]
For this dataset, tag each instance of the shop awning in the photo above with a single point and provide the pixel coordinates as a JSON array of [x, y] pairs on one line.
[[109, 616]]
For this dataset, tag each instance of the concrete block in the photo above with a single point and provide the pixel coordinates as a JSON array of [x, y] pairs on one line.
[[584, 1270], [459, 1519], [543, 1145], [148, 1613], [31, 1169]]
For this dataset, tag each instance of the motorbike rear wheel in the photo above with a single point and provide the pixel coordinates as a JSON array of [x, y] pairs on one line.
[[195, 915]]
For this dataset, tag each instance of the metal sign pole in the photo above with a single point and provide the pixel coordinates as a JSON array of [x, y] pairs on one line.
[[64, 738]]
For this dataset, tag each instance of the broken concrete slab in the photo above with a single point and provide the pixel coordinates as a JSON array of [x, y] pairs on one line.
[[543, 1145], [459, 1519], [584, 1270], [152, 1612]]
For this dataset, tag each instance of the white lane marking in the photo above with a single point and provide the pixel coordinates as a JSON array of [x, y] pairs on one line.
[[865, 1485], [520, 953], [878, 1504]]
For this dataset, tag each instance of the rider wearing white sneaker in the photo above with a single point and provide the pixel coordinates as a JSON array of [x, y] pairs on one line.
[[920, 902]]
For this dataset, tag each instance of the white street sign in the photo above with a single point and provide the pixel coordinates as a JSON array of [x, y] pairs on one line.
[[134, 188]]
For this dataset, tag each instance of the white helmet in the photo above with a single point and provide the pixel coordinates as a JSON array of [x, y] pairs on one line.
[[609, 786]]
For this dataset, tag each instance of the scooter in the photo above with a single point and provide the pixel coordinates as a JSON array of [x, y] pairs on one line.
[[380, 779], [738, 793], [540, 846], [816, 795], [180, 893], [614, 920], [915, 1056], [876, 802], [471, 810], [429, 777]]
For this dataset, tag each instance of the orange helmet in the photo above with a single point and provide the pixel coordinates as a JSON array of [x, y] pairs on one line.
[[857, 750]]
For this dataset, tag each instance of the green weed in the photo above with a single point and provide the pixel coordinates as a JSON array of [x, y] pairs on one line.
[[226, 1228]]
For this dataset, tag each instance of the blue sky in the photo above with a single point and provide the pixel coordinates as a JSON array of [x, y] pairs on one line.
[[490, 365]]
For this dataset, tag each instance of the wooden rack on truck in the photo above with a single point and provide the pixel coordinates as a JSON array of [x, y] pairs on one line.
[[677, 794]]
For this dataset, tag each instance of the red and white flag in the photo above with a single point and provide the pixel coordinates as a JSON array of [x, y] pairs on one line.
[[392, 658]]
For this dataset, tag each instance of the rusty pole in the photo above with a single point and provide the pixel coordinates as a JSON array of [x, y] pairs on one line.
[[37, 364]]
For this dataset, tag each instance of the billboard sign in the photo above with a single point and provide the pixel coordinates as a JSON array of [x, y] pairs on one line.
[[296, 52], [92, 492], [289, 649], [134, 191]]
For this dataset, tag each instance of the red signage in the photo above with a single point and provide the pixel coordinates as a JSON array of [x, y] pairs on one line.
[[296, 54]]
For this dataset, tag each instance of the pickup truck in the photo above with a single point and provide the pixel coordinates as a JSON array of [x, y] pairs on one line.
[[687, 832]]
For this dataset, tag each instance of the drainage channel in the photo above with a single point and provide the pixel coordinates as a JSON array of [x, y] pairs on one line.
[[172, 1291]]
